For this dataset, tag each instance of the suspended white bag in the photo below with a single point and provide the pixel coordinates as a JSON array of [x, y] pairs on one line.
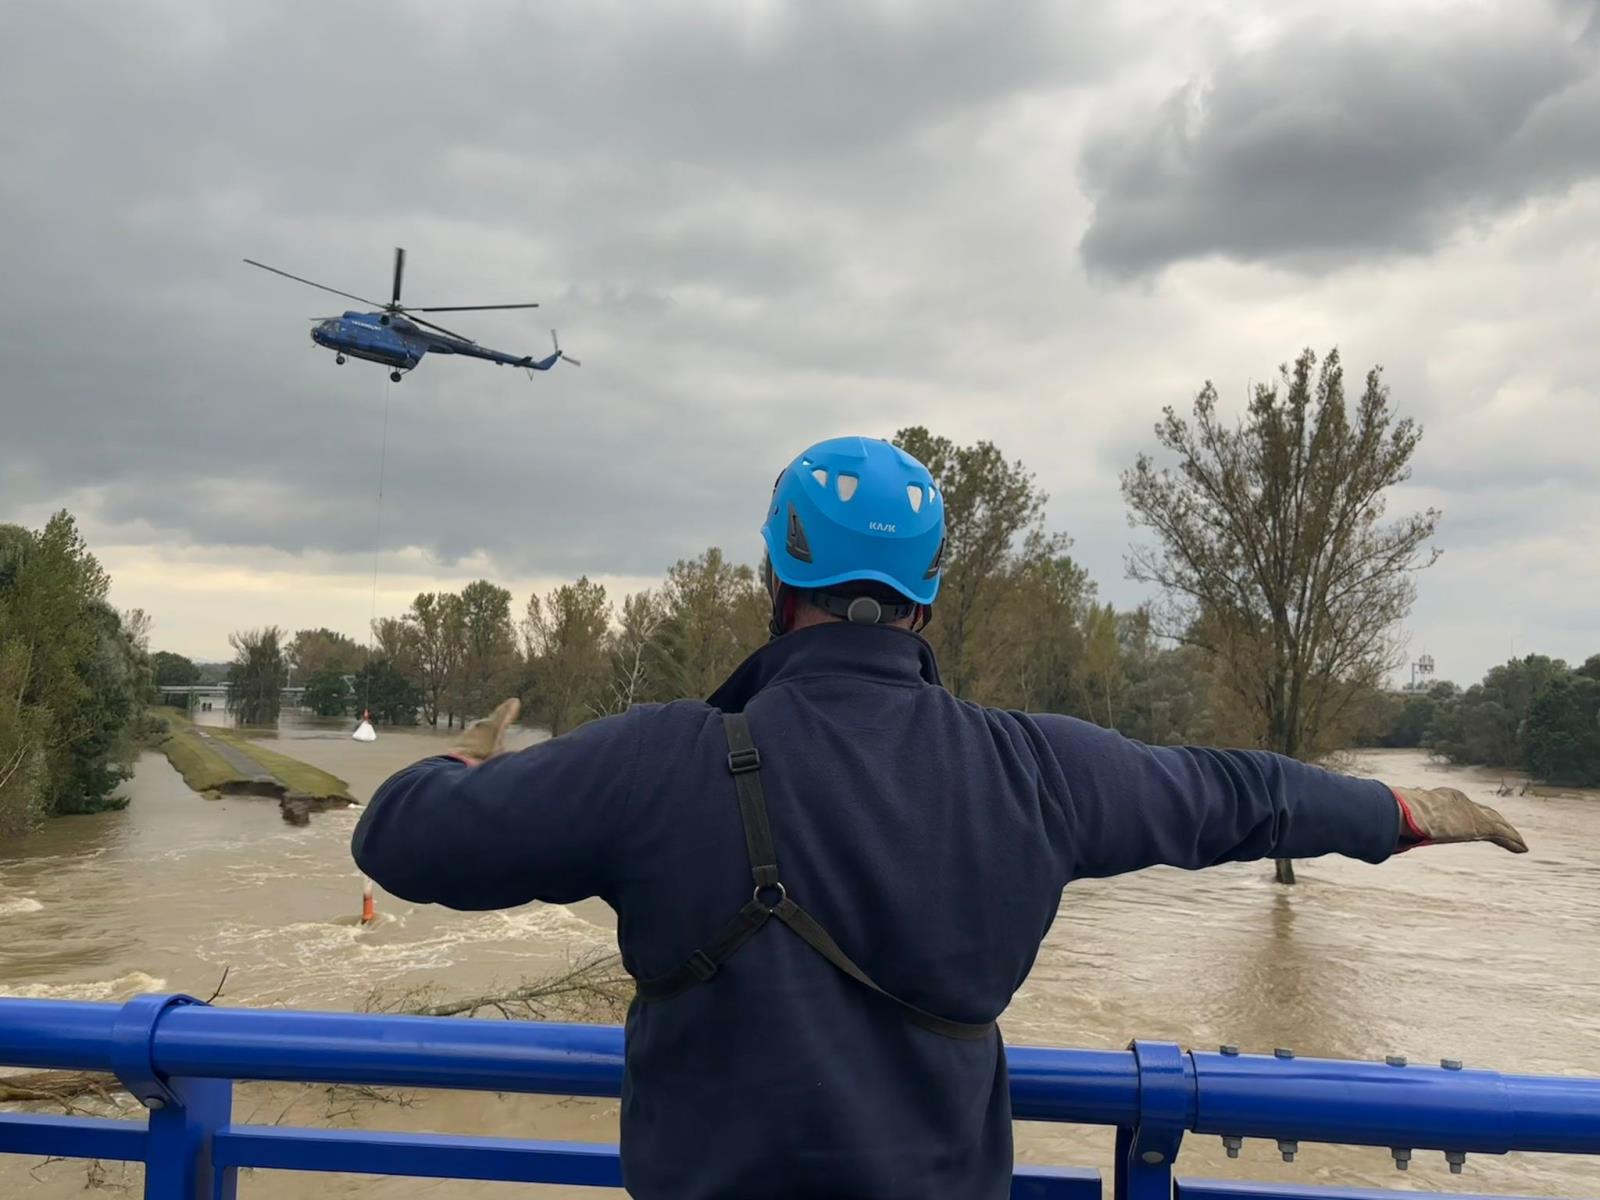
[[364, 731]]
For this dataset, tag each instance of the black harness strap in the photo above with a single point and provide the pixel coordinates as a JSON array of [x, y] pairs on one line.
[[744, 761]]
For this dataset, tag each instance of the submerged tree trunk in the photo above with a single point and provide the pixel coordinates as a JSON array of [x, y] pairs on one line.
[[1283, 870]]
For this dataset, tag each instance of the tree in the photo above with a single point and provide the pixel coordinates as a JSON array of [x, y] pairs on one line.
[[1102, 665], [1271, 551], [389, 696], [73, 676], [715, 616], [316, 651], [1032, 641], [257, 676], [489, 662], [173, 670], [566, 635], [1486, 723], [631, 649], [328, 694], [1563, 731], [440, 627], [395, 638], [988, 505]]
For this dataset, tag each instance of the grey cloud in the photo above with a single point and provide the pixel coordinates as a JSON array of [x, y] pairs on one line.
[[1330, 145], [682, 187]]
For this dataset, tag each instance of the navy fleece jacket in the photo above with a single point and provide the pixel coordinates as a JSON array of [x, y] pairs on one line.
[[930, 836]]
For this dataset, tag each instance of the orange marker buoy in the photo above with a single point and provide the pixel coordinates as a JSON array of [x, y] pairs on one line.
[[369, 911]]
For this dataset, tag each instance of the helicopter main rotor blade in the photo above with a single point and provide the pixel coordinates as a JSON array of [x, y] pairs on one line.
[[458, 336], [399, 270], [470, 307], [312, 283]]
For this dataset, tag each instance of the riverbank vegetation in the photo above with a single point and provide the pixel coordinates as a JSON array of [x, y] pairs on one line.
[[1534, 714], [74, 677]]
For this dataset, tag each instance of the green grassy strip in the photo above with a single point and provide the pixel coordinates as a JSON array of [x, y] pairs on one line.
[[204, 770], [291, 772]]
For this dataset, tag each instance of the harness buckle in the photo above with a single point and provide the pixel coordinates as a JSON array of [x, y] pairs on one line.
[[701, 966], [742, 762]]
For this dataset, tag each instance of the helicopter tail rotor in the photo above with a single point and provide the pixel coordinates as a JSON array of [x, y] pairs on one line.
[[560, 353]]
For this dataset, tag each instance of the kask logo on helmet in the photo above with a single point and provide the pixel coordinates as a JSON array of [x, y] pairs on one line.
[[880, 526]]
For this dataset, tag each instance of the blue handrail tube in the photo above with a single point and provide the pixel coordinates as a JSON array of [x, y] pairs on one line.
[[1306, 1099]]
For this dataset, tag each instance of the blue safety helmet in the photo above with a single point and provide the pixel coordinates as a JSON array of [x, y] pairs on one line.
[[856, 509]]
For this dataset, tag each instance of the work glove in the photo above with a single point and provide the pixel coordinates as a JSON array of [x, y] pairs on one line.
[[1430, 815], [486, 737]]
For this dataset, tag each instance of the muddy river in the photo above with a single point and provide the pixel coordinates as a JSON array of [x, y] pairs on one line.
[[1461, 952]]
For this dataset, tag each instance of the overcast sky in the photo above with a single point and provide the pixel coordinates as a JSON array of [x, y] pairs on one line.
[[760, 224]]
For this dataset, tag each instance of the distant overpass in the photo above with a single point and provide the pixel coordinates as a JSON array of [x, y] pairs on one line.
[[211, 691]]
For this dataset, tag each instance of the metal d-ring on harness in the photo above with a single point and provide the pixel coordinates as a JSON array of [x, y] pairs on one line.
[[770, 900]]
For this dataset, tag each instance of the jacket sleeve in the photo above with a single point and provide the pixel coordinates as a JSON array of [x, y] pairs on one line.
[[1130, 806], [539, 824]]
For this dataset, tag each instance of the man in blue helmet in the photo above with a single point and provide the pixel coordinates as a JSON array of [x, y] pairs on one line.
[[831, 877]]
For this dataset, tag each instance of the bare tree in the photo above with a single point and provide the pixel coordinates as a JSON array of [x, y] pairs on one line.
[[1271, 550], [631, 646]]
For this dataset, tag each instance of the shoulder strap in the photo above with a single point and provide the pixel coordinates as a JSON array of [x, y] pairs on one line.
[[744, 762]]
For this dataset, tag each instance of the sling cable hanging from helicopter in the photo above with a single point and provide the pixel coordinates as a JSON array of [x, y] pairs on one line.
[[364, 731]]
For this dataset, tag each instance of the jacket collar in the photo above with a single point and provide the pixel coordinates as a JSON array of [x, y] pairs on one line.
[[878, 652]]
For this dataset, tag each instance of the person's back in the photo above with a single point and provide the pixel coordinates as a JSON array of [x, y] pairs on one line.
[[929, 839], [916, 830]]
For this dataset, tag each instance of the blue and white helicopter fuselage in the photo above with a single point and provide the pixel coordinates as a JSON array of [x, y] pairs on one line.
[[401, 344]]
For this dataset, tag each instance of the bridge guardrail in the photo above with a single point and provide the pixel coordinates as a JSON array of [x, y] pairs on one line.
[[179, 1057]]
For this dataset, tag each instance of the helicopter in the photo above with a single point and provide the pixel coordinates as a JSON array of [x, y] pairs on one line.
[[396, 337]]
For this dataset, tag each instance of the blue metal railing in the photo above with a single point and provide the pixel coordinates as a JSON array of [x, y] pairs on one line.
[[179, 1058]]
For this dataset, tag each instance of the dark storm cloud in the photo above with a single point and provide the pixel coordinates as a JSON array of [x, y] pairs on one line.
[[1330, 144], [682, 188]]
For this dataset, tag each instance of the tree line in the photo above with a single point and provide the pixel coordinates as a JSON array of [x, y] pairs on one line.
[[1533, 714], [1280, 583]]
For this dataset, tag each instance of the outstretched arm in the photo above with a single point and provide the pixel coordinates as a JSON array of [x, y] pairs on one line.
[[540, 824], [1130, 806]]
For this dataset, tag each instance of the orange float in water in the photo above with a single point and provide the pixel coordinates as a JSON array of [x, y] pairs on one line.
[[369, 911]]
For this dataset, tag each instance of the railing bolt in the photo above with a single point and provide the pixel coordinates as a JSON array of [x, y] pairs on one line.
[[1280, 1052], [1230, 1051], [153, 1102], [1395, 1060], [1402, 1158], [1450, 1064], [1457, 1159], [1288, 1147], [1154, 1157], [1232, 1145]]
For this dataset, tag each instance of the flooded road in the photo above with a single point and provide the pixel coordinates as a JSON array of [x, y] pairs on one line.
[[1461, 952]]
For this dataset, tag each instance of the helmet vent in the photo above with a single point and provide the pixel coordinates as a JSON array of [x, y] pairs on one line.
[[798, 546], [820, 476], [847, 486], [914, 494], [938, 558]]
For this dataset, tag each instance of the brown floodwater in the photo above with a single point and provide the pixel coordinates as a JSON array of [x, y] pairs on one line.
[[1460, 952]]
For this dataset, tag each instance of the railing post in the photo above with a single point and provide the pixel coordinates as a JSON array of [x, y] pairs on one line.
[[1146, 1151], [184, 1113]]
